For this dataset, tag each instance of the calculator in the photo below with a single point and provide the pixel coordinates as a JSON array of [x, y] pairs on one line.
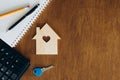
[[12, 63]]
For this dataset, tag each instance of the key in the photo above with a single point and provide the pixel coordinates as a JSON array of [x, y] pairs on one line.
[[40, 71], [47, 68]]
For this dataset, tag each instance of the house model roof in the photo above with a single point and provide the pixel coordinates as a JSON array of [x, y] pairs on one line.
[[46, 30]]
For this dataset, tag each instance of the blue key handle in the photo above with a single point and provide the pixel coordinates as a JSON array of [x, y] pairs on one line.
[[37, 71]]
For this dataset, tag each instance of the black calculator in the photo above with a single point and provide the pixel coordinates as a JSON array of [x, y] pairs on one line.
[[12, 63]]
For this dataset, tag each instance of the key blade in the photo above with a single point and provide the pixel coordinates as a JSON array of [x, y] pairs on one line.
[[47, 68]]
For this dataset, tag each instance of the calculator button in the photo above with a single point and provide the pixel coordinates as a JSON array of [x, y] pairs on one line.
[[12, 57], [12, 66], [2, 49], [16, 69], [4, 77], [14, 76], [1, 74], [20, 61], [7, 63], [0, 65], [9, 72], [6, 53], [1, 54], [2, 59], [3, 69]]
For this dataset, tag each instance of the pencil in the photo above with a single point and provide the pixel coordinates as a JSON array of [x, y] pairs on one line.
[[12, 12], [27, 14]]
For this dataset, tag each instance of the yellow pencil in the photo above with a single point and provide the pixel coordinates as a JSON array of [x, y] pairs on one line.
[[12, 12]]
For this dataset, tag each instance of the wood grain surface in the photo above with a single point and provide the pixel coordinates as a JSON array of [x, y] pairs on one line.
[[89, 48]]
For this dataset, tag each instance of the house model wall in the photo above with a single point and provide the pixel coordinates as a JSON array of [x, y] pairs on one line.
[[46, 41]]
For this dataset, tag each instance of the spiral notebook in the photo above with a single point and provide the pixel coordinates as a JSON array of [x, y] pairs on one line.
[[13, 36]]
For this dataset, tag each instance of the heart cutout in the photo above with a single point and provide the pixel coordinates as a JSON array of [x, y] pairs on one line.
[[46, 38]]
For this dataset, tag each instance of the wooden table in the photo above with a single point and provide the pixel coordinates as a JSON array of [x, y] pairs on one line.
[[89, 48]]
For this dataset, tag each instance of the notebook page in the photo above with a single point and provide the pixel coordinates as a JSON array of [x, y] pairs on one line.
[[13, 36], [6, 6]]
